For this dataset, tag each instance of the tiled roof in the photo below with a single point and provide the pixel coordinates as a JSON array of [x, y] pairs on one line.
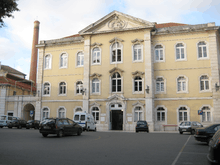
[[163, 25], [6, 80], [11, 70]]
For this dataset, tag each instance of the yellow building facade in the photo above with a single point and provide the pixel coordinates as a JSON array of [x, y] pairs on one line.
[[122, 69]]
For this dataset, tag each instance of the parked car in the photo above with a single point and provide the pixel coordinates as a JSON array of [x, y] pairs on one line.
[[17, 123], [5, 119], [205, 134], [60, 127], [33, 124], [85, 120], [214, 149], [189, 126], [141, 126]]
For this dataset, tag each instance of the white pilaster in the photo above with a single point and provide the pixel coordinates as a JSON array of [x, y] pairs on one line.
[[3, 99]]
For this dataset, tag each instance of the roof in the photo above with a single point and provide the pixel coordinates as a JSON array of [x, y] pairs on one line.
[[11, 70], [171, 24]]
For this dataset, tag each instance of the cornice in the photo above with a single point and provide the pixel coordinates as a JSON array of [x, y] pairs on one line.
[[137, 40], [96, 44], [116, 69], [116, 39]]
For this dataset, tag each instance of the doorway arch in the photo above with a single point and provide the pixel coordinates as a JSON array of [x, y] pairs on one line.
[[116, 116], [26, 112]]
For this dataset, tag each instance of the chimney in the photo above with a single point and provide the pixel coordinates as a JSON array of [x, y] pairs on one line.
[[34, 52]]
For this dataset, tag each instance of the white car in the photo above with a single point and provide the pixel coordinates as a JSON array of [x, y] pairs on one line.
[[85, 120]]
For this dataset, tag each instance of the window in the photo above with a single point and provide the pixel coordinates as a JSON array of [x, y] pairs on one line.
[[45, 113], [96, 56], [61, 113], [63, 60], [79, 87], [47, 64], [95, 85], [116, 51], [180, 52], [204, 83], [206, 115], [137, 52], [160, 84], [80, 59], [138, 114], [116, 82], [182, 114], [181, 84], [160, 114], [137, 84], [46, 89], [78, 110], [95, 113], [202, 50], [62, 88], [159, 53]]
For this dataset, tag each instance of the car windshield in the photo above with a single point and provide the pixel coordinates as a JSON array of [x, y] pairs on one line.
[[46, 121], [185, 124], [29, 121], [3, 118], [141, 122]]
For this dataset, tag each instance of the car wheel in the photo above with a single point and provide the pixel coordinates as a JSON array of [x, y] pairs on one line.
[[44, 135], [35, 127], [10, 127], [136, 131], [60, 133], [95, 130], [181, 132], [87, 129], [1, 127], [20, 127], [193, 132], [27, 128], [79, 132], [147, 131]]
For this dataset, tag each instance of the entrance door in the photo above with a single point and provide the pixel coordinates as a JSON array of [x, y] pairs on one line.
[[116, 117]]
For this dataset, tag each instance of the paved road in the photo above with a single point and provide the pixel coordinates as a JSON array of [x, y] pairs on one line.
[[101, 148]]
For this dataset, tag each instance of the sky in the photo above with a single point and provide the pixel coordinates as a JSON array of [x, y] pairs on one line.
[[61, 18]]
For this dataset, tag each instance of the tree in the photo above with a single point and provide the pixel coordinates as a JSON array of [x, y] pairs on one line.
[[6, 9]]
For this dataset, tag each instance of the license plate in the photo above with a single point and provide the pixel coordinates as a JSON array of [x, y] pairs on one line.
[[183, 129], [141, 125], [46, 127]]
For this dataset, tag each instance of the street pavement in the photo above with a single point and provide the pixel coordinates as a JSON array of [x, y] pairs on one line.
[[22, 146]]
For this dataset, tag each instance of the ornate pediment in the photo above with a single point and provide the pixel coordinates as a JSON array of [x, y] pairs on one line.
[[95, 104], [116, 69], [138, 104], [116, 97], [95, 75], [116, 21], [137, 41], [115, 40], [137, 73], [96, 44]]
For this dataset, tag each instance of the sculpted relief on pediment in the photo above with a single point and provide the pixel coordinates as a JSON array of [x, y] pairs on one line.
[[117, 23]]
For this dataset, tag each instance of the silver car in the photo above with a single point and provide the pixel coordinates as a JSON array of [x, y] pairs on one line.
[[189, 126]]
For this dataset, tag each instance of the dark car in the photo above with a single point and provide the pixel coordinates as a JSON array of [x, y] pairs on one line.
[[214, 149], [17, 123], [142, 126], [189, 126], [205, 134], [60, 127], [33, 124]]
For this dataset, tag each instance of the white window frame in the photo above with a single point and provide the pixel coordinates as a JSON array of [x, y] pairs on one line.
[[164, 82], [187, 110], [77, 54], [133, 85], [116, 83], [48, 111], [138, 113], [184, 49], [49, 63], [200, 83], [91, 85], [186, 82], [96, 111], [141, 47], [58, 111], [205, 112], [165, 113], [100, 51], [62, 63], [207, 51], [163, 49], [80, 87], [61, 94], [111, 49], [46, 95]]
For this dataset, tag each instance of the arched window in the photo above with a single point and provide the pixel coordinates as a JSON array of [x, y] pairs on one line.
[[63, 60], [116, 82], [46, 89], [160, 114], [137, 52], [45, 113], [78, 110], [116, 52], [183, 114], [95, 85], [202, 50], [160, 84], [204, 83], [47, 63], [96, 56], [79, 87], [159, 53], [138, 84], [61, 112], [206, 115], [80, 59], [138, 114], [180, 52], [181, 84], [62, 88], [95, 113]]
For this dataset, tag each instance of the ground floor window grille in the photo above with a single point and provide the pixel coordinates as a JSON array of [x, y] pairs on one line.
[[182, 114], [160, 114], [95, 113], [138, 114]]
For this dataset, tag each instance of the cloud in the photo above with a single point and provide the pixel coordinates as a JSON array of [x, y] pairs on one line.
[[7, 48]]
